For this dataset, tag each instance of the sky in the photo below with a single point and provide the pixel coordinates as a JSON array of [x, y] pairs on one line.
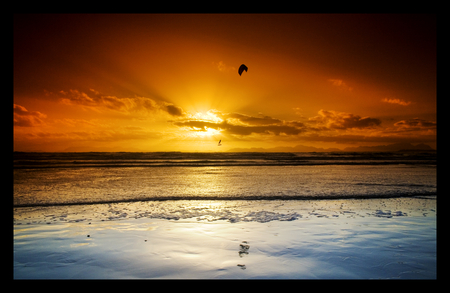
[[170, 82]]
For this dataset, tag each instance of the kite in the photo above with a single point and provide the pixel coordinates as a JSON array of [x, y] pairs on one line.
[[219, 144], [242, 68]]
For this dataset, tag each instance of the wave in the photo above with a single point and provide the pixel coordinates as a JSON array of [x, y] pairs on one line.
[[63, 184], [175, 159]]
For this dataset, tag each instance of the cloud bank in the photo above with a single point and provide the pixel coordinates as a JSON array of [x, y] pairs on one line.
[[243, 125]]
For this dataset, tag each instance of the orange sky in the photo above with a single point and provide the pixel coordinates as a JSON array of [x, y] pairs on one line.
[[157, 82]]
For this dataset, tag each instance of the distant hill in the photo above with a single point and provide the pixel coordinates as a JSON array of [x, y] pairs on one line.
[[395, 147], [298, 148]]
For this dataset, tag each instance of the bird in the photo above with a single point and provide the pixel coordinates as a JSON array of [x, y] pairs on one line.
[[219, 144], [242, 68]]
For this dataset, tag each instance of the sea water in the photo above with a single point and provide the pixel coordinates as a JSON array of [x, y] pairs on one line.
[[47, 179]]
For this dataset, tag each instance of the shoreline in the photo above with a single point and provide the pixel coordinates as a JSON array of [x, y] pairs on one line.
[[430, 195], [330, 239]]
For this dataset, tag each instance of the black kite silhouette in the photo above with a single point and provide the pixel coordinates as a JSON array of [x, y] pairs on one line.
[[242, 68]]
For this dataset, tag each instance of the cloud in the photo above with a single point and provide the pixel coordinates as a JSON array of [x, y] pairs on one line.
[[266, 129], [230, 128], [77, 122], [122, 133], [174, 110], [415, 124], [99, 102], [328, 126], [96, 100], [396, 101], [358, 138], [223, 67], [298, 111], [251, 120], [25, 118], [198, 125], [340, 120], [340, 84], [241, 124]]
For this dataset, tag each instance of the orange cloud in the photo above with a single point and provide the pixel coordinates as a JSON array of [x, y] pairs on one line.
[[340, 84], [224, 67], [98, 102], [97, 135], [396, 101], [25, 118]]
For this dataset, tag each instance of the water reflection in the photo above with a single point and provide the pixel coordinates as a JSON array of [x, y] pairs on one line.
[[115, 185]]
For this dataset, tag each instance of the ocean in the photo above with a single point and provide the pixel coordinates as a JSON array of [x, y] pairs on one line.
[[51, 179]]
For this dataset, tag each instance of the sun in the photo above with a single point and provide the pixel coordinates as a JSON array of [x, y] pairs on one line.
[[204, 131]]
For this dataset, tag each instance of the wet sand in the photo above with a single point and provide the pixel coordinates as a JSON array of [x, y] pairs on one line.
[[322, 239]]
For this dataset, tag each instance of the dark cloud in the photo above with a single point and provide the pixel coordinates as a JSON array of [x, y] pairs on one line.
[[339, 120], [266, 129], [174, 110], [251, 120], [240, 124], [416, 124]]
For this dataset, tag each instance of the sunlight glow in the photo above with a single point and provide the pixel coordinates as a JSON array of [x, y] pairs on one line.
[[208, 116], [206, 132]]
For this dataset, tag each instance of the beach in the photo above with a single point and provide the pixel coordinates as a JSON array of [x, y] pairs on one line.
[[225, 215], [277, 239]]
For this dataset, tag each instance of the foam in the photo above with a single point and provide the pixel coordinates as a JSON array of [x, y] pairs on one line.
[[261, 211]]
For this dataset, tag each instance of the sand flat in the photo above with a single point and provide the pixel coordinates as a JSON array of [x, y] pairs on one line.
[[350, 239]]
